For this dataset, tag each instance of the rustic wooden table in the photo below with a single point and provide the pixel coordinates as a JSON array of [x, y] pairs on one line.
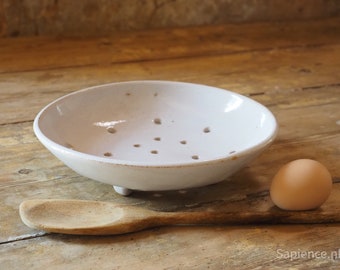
[[292, 68]]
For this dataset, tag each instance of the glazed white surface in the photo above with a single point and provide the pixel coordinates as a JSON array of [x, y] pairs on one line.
[[155, 135]]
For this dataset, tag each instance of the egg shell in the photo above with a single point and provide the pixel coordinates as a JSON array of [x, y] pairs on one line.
[[302, 184]]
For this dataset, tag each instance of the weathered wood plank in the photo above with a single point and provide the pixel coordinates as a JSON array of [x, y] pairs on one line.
[[283, 66], [249, 247], [250, 73], [23, 54]]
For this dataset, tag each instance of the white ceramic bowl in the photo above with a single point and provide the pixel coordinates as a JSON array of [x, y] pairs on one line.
[[155, 135]]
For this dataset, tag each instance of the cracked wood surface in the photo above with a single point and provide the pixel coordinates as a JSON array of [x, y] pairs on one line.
[[292, 68]]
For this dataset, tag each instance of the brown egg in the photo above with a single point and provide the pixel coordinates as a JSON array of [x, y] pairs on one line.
[[302, 184]]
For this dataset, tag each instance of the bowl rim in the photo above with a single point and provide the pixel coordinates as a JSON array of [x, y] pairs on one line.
[[50, 144]]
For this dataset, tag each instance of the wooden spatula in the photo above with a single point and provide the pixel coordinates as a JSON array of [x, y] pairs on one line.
[[104, 218]]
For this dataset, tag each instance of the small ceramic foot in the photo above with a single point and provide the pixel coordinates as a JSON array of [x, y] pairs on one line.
[[122, 191]]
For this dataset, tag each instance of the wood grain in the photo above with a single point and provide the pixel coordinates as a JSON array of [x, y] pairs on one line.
[[49, 53], [207, 247], [24, 94], [292, 68]]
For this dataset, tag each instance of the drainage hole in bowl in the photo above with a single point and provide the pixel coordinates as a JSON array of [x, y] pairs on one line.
[[154, 152], [157, 139], [111, 130], [108, 154], [136, 145], [196, 157], [157, 121], [206, 130], [183, 142]]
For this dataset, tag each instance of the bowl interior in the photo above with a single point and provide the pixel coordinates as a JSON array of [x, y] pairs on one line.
[[156, 123]]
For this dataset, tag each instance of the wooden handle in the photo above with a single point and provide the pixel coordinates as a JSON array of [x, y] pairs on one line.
[[276, 216]]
